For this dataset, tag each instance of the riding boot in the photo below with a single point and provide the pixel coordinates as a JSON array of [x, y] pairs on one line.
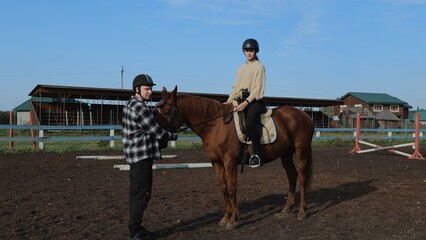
[[256, 158]]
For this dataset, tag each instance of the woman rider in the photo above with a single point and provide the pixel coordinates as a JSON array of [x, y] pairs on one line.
[[248, 91]]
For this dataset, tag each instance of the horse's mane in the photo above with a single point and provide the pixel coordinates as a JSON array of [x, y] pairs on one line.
[[200, 106]]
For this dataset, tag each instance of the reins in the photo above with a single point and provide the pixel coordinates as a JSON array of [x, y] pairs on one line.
[[205, 121], [174, 109]]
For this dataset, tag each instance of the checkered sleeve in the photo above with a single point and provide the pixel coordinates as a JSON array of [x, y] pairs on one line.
[[151, 127], [141, 132]]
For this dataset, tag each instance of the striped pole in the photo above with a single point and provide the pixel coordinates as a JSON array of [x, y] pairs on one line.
[[126, 167], [114, 157], [416, 143], [389, 148]]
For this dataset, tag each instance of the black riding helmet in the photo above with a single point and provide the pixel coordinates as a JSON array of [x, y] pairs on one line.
[[142, 80], [251, 44]]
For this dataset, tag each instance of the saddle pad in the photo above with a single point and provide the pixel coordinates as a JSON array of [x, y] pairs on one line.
[[269, 132]]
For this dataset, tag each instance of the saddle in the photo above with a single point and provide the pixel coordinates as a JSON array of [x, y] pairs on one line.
[[269, 131]]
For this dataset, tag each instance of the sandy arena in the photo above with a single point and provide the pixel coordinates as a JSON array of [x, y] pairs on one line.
[[354, 196]]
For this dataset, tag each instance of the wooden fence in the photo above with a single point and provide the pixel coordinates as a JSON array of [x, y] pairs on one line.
[[320, 134]]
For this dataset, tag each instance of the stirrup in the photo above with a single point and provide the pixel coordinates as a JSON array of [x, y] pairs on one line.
[[253, 158]]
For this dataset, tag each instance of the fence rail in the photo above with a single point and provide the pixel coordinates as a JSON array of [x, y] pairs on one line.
[[320, 134]]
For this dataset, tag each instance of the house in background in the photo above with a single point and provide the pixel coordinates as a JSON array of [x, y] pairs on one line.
[[422, 116], [22, 113], [388, 111]]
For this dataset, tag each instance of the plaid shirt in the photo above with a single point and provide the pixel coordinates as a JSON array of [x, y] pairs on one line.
[[141, 132]]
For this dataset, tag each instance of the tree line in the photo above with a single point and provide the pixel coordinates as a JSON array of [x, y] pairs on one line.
[[4, 117]]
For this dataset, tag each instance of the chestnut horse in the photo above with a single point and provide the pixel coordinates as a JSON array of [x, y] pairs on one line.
[[207, 118]]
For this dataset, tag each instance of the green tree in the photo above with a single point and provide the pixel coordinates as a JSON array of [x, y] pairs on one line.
[[4, 117]]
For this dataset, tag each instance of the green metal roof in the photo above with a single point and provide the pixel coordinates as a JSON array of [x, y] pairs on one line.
[[376, 98], [25, 106], [422, 115]]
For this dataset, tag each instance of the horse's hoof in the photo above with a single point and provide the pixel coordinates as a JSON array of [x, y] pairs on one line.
[[223, 223], [287, 209], [301, 215], [230, 226]]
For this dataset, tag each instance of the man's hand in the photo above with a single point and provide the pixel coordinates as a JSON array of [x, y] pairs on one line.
[[174, 137]]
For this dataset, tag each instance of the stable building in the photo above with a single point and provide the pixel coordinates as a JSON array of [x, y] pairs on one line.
[[70, 105]]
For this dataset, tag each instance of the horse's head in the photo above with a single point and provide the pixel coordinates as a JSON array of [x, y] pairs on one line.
[[168, 116]]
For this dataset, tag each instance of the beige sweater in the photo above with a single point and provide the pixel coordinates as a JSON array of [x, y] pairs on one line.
[[250, 76]]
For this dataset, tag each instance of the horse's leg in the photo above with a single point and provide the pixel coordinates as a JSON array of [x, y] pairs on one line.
[[287, 162], [231, 170], [304, 158], [221, 177]]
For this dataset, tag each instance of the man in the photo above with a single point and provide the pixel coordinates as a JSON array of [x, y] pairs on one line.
[[141, 135]]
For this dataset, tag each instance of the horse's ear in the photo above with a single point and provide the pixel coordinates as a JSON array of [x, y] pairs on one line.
[[174, 90], [163, 92]]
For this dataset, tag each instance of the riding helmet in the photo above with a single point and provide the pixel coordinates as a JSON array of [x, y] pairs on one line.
[[142, 80], [251, 44]]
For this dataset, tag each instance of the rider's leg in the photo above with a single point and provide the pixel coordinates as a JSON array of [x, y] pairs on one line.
[[252, 122]]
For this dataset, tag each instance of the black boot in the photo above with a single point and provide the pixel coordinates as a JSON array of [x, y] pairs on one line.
[[145, 234], [255, 159]]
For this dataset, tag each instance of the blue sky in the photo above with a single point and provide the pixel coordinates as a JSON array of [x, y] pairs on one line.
[[310, 48]]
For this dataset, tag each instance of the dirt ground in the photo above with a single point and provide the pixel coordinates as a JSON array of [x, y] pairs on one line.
[[353, 196]]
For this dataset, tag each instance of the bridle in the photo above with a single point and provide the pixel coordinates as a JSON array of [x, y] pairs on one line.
[[174, 110]]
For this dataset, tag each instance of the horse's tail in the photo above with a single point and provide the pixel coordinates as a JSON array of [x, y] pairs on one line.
[[309, 168], [310, 129]]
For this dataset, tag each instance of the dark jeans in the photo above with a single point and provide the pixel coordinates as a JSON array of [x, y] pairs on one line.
[[252, 112], [139, 193]]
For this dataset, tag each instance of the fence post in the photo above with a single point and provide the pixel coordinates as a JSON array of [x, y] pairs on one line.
[[11, 129], [41, 135], [32, 130], [111, 142], [318, 134]]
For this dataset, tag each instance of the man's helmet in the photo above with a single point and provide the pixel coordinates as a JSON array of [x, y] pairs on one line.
[[142, 80], [251, 44]]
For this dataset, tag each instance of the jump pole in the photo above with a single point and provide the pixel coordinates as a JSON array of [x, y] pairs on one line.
[[113, 157], [159, 166], [389, 148], [126, 167], [416, 143]]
